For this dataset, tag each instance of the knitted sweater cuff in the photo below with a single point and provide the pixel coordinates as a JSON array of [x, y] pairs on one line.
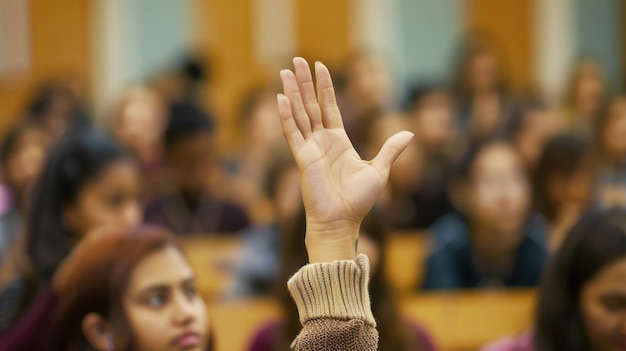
[[337, 290]]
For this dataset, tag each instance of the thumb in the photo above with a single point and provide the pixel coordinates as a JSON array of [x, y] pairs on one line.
[[390, 151]]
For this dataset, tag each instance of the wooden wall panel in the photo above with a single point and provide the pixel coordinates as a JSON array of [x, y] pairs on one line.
[[59, 46], [510, 23]]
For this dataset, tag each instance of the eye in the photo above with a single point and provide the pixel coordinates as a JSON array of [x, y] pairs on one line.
[[190, 291], [614, 303], [156, 300]]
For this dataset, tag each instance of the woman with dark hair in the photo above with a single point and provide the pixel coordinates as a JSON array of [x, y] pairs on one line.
[[87, 181], [562, 184], [495, 240], [129, 289], [585, 95], [582, 300], [395, 333]]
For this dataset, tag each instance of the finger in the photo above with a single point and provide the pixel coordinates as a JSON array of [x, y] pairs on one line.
[[331, 117], [290, 129], [307, 91], [390, 151], [290, 87]]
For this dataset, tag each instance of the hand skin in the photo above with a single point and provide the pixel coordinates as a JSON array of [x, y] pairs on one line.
[[338, 188]]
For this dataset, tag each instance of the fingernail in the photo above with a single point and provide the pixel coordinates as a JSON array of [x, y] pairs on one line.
[[318, 63]]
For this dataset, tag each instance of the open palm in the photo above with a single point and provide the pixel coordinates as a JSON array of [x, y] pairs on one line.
[[338, 188]]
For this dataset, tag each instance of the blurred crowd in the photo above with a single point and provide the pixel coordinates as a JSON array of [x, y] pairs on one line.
[[495, 177]]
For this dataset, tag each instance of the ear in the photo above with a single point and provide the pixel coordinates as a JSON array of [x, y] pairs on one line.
[[98, 332]]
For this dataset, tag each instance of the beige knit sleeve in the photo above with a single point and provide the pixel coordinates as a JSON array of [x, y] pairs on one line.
[[334, 306]]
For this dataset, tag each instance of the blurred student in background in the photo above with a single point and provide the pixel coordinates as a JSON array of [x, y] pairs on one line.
[[22, 155], [129, 289], [87, 182], [257, 271], [395, 332], [529, 128], [365, 93], [585, 95], [582, 299], [610, 155], [495, 241], [480, 88], [563, 184], [192, 205], [57, 106], [138, 124], [262, 138]]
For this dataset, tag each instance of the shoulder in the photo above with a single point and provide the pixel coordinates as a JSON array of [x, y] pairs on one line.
[[449, 232]]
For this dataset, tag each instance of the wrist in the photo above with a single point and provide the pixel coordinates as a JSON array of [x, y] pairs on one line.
[[329, 242]]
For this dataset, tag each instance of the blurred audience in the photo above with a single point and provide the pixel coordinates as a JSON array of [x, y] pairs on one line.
[[480, 88], [22, 155], [87, 182], [495, 240], [563, 184], [257, 271], [610, 155], [138, 124], [585, 95], [395, 332], [530, 126], [583, 295], [192, 206]]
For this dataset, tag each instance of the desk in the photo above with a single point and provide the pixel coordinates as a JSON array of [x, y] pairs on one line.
[[406, 257]]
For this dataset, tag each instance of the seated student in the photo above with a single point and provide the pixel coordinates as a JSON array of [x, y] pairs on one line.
[[529, 128], [395, 333], [190, 207], [610, 156], [257, 271], [87, 181], [562, 184], [495, 240], [582, 299], [22, 154], [335, 315]]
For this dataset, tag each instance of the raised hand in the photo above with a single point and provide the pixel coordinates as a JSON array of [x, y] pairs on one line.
[[338, 188]]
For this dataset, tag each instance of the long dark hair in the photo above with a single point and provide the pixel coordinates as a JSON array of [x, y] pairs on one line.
[[393, 331], [77, 159], [98, 282], [597, 241]]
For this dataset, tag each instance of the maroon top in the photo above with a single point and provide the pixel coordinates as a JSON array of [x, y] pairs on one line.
[[265, 338], [30, 331]]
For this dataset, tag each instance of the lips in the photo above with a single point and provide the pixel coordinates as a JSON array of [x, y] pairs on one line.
[[187, 340]]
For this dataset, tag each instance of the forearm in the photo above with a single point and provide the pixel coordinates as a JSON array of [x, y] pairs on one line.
[[334, 306]]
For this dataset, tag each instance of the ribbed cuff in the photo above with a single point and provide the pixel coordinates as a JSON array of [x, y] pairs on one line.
[[337, 290]]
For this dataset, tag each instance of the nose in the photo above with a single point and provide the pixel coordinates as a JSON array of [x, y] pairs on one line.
[[132, 214], [184, 310]]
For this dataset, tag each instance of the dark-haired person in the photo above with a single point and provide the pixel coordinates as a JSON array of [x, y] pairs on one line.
[[494, 241], [582, 299], [395, 332], [530, 125], [22, 155], [191, 205], [563, 184], [610, 155], [87, 182]]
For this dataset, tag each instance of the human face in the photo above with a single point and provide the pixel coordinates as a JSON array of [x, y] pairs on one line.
[[538, 127], [26, 160], [499, 195], [603, 308], [483, 72], [194, 163], [163, 307], [369, 82], [433, 121], [615, 132], [112, 198]]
